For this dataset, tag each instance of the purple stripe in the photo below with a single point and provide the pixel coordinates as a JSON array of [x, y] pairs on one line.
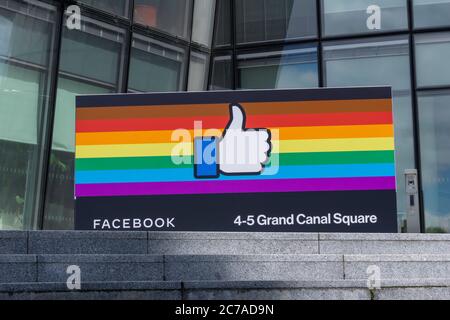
[[232, 186]]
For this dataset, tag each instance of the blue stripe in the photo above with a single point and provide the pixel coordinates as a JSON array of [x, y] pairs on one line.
[[284, 172]]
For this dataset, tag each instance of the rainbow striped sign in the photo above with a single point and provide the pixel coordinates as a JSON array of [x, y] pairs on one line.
[[331, 153]]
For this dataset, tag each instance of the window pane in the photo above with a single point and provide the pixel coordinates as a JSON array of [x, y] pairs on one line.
[[26, 32], [432, 52], [350, 17], [222, 73], [25, 36], [151, 57], [171, 16], [294, 67], [431, 13], [198, 71], [92, 53], [202, 25], [262, 20], [434, 118], [119, 7], [222, 35], [379, 61], [89, 64]]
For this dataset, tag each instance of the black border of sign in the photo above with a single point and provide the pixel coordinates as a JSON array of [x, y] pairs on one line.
[[171, 98], [107, 207]]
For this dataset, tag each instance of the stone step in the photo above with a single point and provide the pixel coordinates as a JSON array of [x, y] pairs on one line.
[[384, 243], [210, 243], [231, 290], [110, 268]]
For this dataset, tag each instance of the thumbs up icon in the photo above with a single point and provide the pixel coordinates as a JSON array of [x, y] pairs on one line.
[[239, 151]]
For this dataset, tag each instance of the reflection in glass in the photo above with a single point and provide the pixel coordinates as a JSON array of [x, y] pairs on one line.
[[379, 61], [262, 20], [198, 71], [155, 66], [203, 22], [342, 17], [434, 118], [432, 59], [293, 67], [222, 73], [89, 64], [26, 32], [431, 13], [171, 16]]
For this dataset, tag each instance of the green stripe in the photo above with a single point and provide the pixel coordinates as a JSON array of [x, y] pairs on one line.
[[318, 158], [285, 159]]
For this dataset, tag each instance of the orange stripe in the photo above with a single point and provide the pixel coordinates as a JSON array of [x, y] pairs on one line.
[[285, 133]]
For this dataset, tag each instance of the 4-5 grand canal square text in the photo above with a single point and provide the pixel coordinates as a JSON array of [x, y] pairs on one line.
[[249, 220], [302, 219]]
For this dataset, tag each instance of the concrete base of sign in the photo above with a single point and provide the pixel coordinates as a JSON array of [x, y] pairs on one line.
[[18, 268], [254, 267], [229, 243], [175, 243], [221, 290], [85, 242], [130, 265], [97, 268], [13, 242], [380, 243], [93, 291]]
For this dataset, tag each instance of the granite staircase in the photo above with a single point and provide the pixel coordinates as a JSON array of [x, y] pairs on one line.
[[149, 265]]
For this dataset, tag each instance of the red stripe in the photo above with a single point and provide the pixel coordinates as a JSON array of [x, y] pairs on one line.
[[253, 121]]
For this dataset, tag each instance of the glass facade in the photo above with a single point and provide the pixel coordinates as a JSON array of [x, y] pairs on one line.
[[27, 30], [265, 20], [169, 16], [434, 111], [177, 45], [153, 57], [343, 17], [90, 63], [118, 7], [432, 52], [198, 75], [431, 13], [222, 75], [288, 67]]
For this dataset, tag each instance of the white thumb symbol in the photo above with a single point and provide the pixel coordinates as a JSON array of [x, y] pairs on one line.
[[243, 151], [237, 118]]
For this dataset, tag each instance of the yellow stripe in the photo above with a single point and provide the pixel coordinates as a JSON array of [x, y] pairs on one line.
[[185, 149], [132, 150]]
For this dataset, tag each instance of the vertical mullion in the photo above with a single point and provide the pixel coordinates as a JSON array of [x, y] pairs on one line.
[[126, 58], [213, 43], [320, 61], [415, 112], [188, 51], [235, 76], [124, 69], [49, 121]]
